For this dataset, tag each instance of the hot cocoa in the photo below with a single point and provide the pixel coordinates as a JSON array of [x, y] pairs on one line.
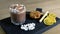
[[18, 14]]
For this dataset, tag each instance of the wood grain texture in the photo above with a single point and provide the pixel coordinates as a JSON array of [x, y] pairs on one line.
[[50, 5], [54, 30], [46, 5], [2, 31]]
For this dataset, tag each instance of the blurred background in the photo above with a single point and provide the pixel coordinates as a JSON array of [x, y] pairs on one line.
[[51, 5], [46, 5]]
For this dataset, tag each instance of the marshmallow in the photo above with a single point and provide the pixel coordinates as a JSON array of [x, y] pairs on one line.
[[24, 27], [33, 24], [30, 26]]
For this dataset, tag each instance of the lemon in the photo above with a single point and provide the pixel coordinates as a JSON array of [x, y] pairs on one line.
[[52, 15], [50, 19]]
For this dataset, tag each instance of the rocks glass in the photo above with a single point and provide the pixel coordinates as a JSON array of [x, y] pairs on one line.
[[18, 14]]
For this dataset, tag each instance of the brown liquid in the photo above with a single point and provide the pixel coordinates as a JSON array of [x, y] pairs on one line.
[[18, 18]]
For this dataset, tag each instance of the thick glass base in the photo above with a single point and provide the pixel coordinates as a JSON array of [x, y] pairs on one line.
[[18, 23]]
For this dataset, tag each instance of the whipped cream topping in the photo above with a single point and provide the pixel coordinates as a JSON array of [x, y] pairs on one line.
[[16, 8]]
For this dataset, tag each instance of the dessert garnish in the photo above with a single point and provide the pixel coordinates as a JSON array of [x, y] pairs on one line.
[[50, 19], [43, 16], [29, 26], [35, 14]]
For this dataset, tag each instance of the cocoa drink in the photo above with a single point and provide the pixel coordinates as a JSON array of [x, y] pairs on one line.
[[18, 14]]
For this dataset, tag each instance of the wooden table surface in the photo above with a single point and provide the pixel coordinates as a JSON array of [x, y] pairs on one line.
[[46, 5]]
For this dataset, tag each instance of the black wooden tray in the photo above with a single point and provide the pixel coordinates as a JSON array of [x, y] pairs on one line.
[[10, 28]]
